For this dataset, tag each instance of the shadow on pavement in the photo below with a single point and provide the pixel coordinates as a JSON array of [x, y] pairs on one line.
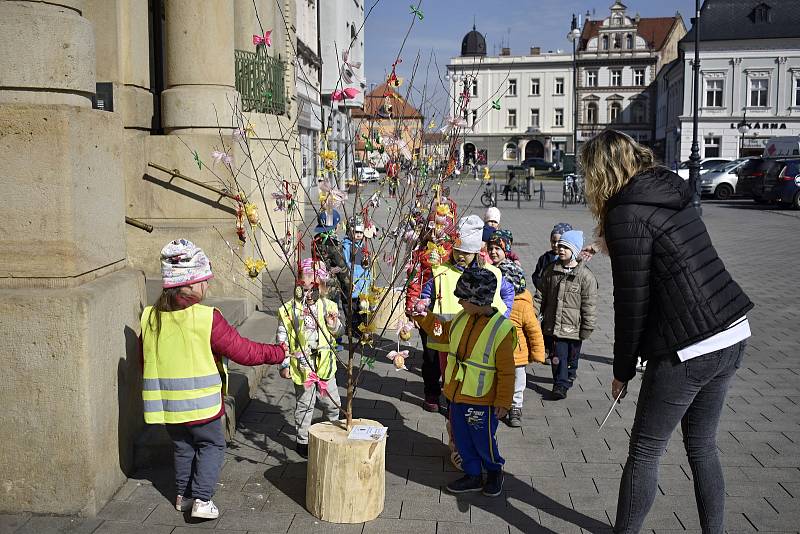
[[405, 442]]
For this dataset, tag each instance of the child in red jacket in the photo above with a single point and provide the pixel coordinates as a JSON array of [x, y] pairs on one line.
[[185, 347]]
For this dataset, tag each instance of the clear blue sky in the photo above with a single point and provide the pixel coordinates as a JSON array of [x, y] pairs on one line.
[[519, 24]]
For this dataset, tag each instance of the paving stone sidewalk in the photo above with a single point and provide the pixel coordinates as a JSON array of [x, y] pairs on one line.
[[562, 474]]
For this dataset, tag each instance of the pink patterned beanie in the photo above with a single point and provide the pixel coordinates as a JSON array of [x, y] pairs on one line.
[[315, 269], [184, 264]]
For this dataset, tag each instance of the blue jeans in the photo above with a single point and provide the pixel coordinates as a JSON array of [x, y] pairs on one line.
[[199, 453], [567, 352], [692, 393]]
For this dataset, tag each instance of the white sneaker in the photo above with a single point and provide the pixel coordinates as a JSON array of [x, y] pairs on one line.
[[204, 509], [183, 504]]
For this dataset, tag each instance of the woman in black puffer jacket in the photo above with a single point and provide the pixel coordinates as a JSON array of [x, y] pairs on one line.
[[676, 307]]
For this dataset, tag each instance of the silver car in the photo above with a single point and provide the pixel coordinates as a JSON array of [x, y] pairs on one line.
[[721, 181]]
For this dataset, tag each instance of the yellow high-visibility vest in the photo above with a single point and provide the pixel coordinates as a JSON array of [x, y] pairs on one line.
[[181, 380], [446, 306], [291, 315], [477, 372]]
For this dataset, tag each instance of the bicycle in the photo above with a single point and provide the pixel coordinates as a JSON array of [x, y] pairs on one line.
[[487, 197]]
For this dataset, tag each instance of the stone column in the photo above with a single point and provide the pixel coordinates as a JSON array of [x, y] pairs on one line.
[[201, 94], [69, 304]]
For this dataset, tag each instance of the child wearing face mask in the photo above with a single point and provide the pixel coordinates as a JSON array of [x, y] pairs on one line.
[[309, 324]]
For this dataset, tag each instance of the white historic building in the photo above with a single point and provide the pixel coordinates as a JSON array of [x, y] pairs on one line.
[[749, 74], [308, 67], [618, 59], [534, 94]]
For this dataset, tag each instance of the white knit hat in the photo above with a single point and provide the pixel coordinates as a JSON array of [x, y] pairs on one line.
[[470, 234], [492, 214]]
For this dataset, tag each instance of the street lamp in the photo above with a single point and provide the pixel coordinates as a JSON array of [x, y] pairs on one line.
[[694, 157], [573, 36], [743, 128]]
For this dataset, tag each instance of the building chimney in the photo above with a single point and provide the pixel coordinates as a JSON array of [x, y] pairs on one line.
[[505, 51], [536, 50]]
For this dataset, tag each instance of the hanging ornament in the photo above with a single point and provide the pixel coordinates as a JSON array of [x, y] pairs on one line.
[[251, 211], [254, 267], [398, 359]]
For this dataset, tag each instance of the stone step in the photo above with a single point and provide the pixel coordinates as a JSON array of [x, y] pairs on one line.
[[153, 446]]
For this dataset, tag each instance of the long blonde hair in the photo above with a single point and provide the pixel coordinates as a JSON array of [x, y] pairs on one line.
[[609, 161]]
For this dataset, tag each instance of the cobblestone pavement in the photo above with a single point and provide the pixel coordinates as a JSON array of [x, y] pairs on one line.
[[562, 474]]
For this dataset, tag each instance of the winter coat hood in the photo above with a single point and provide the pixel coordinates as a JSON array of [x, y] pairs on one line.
[[658, 186]]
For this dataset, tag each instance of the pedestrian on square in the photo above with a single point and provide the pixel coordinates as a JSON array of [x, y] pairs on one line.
[[530, 344], [327, 247], [440, 298], [478, 379], [566, 297], [550, 256], [675, 306], [185, 376], [309, 325], [356, 258]]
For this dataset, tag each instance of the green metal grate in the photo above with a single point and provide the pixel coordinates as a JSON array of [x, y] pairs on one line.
[[259, 79]]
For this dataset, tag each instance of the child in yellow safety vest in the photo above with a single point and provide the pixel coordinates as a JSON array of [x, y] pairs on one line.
[[478, 379], [310, 324], [184, 351]]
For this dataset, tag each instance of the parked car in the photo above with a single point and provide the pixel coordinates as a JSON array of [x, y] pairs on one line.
[[721, 182], [540, 164], [765, 181], [786, 189], [366, 173], [748, 174], [706, 165]]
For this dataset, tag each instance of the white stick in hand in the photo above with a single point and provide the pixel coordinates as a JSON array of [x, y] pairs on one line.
[[613, 405]]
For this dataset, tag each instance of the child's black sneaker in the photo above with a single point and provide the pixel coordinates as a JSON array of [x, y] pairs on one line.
[[514, 417], [466, 484], [559, 392], [494, 483]]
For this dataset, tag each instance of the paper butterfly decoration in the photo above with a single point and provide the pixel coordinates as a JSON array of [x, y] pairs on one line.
[[451, 123], [346, 60], [222, 156], [496, 104], [266, 39], [347, 92], [432, 125], [417, 13], [254, 267], [335, 197]]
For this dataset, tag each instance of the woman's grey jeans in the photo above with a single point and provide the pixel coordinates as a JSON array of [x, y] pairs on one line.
[[692, 393]]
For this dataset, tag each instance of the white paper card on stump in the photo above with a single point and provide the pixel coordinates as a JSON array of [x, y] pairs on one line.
[[367, 433]]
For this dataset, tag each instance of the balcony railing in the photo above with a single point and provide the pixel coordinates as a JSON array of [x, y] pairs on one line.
[[259, 79]]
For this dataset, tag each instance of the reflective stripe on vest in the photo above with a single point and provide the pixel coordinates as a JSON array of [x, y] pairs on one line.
[[181, 380], [476, 373], [291, 315]]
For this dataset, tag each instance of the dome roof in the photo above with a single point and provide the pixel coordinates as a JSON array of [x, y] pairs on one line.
[[473, 44]]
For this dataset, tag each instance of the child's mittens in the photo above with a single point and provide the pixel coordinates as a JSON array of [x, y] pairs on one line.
[[332, 319], [421, 307]]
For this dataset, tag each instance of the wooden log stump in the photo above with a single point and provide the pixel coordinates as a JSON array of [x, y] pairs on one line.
[[346, 479]]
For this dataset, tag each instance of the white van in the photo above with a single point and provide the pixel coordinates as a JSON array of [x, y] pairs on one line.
[[782, 147]]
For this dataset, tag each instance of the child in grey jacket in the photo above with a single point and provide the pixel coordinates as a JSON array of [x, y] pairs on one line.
[[566, 297]]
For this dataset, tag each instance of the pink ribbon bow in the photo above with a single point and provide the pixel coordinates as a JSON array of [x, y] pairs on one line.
[[314, 379], [347, 92], [266, 39]]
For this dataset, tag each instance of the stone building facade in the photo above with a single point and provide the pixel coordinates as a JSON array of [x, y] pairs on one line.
[[618, 60], [534, 93], [749, 74], [92, 94]]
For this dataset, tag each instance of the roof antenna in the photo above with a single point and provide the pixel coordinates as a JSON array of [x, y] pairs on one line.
[[474, 27]]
